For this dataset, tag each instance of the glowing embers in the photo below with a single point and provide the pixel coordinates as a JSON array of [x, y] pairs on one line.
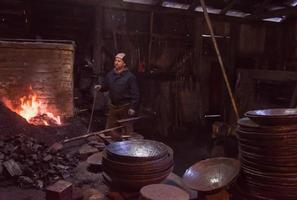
[[33, 109]]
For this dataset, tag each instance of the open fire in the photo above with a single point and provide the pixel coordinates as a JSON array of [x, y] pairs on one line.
[[34, 110]]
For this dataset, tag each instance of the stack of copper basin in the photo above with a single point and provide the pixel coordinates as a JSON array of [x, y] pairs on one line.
[[133, 164], [268, 155]]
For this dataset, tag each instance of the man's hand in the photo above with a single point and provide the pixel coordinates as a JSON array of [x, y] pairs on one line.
[[97, 87], [131, 112]]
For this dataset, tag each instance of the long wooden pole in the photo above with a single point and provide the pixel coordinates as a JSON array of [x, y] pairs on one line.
[[233, 101], [151, 39], [91, 134]]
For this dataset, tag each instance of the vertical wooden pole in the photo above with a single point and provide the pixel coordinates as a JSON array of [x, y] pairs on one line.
[[28, 18], [98, 40], [200, 71], [98, 52], [151, 37], [234, 105], [115, 40]]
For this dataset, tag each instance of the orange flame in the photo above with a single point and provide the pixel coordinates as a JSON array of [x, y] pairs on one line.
[[33, 110]]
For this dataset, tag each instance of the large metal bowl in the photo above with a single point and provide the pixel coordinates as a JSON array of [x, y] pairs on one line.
[[211, 174], [131, 165], [276, 116], [136, 150]]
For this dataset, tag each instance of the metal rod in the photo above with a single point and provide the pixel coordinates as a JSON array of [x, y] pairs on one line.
[[211, 116], [233, 101], [93, 108], [91, 134]]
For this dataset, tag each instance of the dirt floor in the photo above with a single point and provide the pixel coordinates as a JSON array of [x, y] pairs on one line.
[[189, 147]]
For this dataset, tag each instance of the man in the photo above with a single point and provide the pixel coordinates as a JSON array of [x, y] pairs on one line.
[[123, 91]]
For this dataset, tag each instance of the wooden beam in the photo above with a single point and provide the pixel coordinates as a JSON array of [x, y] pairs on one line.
[[194, 5], [228, 7], [269, 75], [112, 4], [120, 5], [133, 34], [116, 4], [273, 13], [159, 3], [262, 7], [12, 2]]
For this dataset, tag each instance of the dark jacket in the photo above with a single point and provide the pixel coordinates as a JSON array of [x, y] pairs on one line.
[[122, 88]]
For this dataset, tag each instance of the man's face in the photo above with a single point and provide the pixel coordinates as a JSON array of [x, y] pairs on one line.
[[119, 64]]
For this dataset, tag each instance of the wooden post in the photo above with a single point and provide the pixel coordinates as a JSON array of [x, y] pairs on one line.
[[28, 18], [151, 39], [98, 41], [201, 70], [234, 105], [115, 41]]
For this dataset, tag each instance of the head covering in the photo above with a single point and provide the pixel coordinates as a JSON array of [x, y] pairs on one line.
[[120, 55], [124, 57]]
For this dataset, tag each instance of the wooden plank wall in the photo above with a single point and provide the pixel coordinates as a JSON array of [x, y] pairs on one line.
[[266, 78], [178, 72], [260, 89], [261, 46], [290, 45], [46, 67], [177, 66]]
